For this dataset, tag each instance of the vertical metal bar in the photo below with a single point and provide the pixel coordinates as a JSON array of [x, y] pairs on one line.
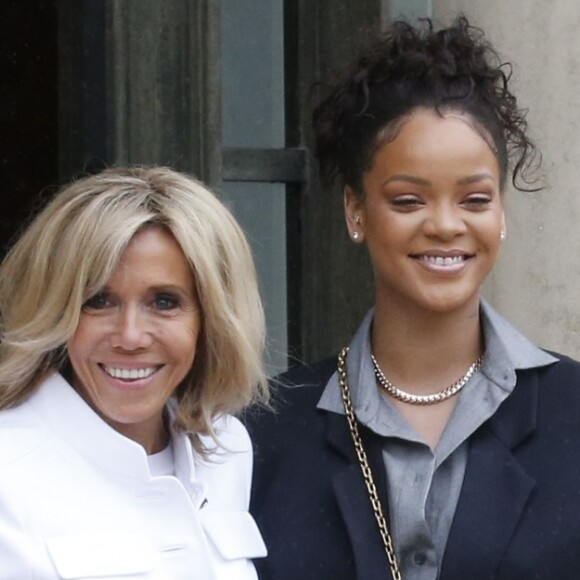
[[207, 15], [294, 191]]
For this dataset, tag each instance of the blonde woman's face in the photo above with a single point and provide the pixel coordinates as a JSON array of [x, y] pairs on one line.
[[136, 339]]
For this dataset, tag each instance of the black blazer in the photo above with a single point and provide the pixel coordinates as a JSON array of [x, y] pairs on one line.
[[518, 515]]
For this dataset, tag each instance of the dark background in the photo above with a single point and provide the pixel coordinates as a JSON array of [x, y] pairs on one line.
[[92, 83], [28, 110]]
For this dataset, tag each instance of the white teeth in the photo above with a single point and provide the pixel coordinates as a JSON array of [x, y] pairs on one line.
[[129, 374], [440, 261]]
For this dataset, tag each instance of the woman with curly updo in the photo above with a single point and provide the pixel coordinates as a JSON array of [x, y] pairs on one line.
[[441, 444]]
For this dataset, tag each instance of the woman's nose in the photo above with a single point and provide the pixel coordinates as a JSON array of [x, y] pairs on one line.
[[445, 222], [132, 330]]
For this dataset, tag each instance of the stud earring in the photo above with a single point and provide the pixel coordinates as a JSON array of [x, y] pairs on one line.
[[502, 235], [355, 236]]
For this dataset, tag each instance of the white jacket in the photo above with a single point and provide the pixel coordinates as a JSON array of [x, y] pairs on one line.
[[77, 499]]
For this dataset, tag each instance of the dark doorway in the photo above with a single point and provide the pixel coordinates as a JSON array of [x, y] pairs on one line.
[[28, 111]]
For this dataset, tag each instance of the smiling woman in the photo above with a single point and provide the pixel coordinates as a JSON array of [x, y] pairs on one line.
[[438, 446], [132, 330], [431, 215], [136, 340]]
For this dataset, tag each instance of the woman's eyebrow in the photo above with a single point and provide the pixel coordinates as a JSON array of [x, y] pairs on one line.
[[408, 179], [420, 181], [475, 178]]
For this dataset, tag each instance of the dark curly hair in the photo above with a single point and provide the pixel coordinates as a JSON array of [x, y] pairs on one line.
[[414, 67]]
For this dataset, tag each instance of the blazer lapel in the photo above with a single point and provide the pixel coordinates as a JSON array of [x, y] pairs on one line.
[[495, 488], [353, 499]]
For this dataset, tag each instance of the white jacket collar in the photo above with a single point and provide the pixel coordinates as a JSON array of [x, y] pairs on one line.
[[72, 419]]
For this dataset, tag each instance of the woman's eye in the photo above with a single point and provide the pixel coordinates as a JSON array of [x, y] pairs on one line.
[[477, 201], [97, 302], [166, 302], [406, 202]]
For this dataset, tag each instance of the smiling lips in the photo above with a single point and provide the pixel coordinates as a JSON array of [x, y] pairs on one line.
[[130, 374], [443, 261]]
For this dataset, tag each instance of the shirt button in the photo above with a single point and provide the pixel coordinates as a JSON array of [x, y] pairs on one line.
[[419, 558]]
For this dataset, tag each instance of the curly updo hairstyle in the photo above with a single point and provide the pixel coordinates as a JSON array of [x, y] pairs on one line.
[[412, 67]]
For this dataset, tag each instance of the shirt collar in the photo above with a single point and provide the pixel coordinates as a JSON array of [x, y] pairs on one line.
[[506, 350]]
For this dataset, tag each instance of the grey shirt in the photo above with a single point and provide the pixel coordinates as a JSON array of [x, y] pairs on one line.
[[424, 484]]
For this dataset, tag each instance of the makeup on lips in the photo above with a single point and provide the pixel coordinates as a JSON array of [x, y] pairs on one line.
[[443, 261]]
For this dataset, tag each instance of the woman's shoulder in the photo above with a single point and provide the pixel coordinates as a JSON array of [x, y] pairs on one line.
[[558, 384], [299, 388], [293, 404], [22, 433], [565, 367], [231, 433], [304, 380]]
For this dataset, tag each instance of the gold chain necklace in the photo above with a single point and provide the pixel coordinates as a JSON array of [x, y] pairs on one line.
[[424, 399], [365, 467]]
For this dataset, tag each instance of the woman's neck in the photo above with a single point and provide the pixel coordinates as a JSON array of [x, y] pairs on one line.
[[424, 351]]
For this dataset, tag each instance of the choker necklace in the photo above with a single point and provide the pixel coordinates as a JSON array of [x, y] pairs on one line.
[[424, 399]]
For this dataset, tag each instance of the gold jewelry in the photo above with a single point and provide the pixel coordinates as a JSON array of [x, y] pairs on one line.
[[365, 467], [424, 399]]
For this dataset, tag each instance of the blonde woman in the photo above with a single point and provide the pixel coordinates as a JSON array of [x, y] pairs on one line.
[[132, 331]]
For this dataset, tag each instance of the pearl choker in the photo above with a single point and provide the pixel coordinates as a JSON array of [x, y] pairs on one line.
[[424, 399]]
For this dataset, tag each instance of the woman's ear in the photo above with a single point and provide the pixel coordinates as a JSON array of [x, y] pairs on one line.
[[353, 213]]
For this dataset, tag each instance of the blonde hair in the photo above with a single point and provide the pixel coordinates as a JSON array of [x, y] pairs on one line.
[[70, 251]]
